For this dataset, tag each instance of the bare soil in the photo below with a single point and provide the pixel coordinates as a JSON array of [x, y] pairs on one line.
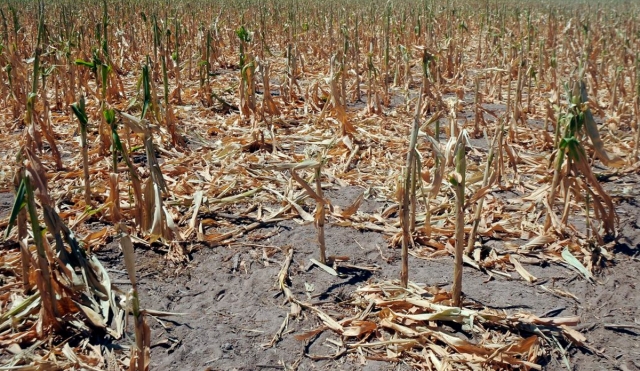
[[6, 203], [234, 307]]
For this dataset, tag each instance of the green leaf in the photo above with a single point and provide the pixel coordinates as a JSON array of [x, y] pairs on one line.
[[78, 110], [109, 116], [243, 34], [573, 261], [117, 146], [23, 309], [146, 90], [573, 148], [105, 76], [568, 142], [18, 205], [80, 62], [327, 268]]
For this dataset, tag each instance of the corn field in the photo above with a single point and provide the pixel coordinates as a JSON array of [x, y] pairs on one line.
[[496, 136]]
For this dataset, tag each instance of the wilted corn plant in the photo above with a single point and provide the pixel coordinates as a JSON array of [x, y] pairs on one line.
[[408, 185], [81, 288], [247, 77], [151, 216], [19, 217], [114, 187], [140, 352], [175, 57], [44, 281], [338, 100], [169, 116], [571, 161], [317, 195], [81, 114], [32, 118], [487, 180], [457, 180], [406, 192]]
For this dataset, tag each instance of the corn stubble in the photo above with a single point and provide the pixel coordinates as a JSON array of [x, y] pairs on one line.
[[187, 111]]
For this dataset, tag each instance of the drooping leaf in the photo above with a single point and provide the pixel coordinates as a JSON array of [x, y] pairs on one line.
[[574, 262], [593, 133], [129, 258], [80, 62]]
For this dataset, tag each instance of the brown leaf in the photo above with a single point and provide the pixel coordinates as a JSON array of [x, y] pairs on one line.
[[358, 328], [353, 208]]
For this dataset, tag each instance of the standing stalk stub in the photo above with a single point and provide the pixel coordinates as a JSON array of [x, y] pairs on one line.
[[457, 179]]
